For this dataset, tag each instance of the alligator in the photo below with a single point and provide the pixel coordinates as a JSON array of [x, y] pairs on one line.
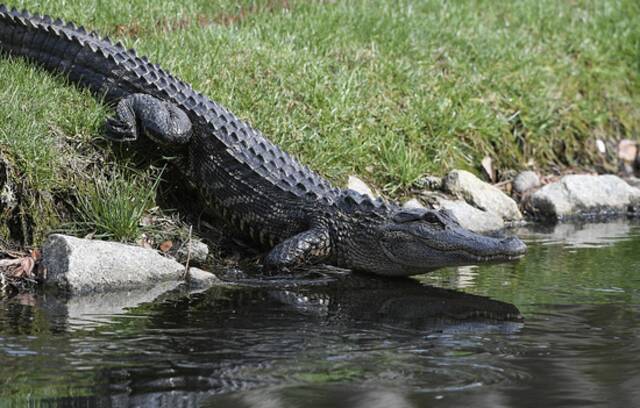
[[263, 192]]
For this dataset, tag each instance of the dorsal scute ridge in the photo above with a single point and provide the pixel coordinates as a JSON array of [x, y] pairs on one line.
[[354, 199], [105, 53], [33, 23], [66, 35]]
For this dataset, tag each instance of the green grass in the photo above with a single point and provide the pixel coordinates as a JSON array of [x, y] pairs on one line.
[[112, 207], [390, 90]]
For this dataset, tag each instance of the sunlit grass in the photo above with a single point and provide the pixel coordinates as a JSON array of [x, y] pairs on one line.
[[388, 90]]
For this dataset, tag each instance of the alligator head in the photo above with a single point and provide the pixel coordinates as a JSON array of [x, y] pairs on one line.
[[414, 241]]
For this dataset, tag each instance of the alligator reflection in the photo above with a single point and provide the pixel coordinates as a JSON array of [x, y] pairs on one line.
[[354, 297], [248, 336]]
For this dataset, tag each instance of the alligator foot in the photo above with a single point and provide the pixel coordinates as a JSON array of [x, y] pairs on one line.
[[307, 247], [142, 114]]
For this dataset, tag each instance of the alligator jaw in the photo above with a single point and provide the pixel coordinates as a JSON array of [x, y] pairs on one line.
[[508, 249], [492, 259]]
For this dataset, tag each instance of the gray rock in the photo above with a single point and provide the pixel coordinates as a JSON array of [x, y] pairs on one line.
[[583, 194], [471, 217], [355, 184], [464, 185], [468, 216], [633, 181], [413, 203], [199, 252], [84, 266], [526, 181], [199, 279]]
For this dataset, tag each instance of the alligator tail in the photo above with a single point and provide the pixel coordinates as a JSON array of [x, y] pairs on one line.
[[87, 59]]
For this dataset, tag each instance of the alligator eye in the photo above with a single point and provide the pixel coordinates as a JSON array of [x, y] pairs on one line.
[[408, 215], [434, 220], [431, 218]]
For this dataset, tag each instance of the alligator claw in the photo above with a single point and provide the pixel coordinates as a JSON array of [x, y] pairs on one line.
[[119, 131]]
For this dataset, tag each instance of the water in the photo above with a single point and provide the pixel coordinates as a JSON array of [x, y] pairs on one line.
[[330, 339]]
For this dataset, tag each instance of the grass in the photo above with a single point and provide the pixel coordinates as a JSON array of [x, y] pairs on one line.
[[112, 207], [389, 90]]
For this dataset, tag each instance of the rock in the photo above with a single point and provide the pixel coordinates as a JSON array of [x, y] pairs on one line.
[[470, 217], [526, 181], [467, 215], [355, 184], [484, 196], [199, 279], [199, 252], [413, 203], [582, 194], [84, 266], [633, 181]]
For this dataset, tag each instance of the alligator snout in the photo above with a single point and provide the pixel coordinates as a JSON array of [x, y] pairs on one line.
[[513, 247]]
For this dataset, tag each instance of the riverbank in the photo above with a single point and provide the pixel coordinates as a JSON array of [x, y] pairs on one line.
[[87, 266]]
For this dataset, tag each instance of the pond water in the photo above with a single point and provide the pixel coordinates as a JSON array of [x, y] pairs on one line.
[[561, 328]]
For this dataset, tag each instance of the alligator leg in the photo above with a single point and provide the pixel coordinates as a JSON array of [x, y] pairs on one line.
[[307, 247], [142, 114]]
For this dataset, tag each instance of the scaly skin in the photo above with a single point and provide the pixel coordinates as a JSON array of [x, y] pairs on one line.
[[261, 190]]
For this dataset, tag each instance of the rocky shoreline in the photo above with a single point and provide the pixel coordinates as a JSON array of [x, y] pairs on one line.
[[483, 207], [84, 267]]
